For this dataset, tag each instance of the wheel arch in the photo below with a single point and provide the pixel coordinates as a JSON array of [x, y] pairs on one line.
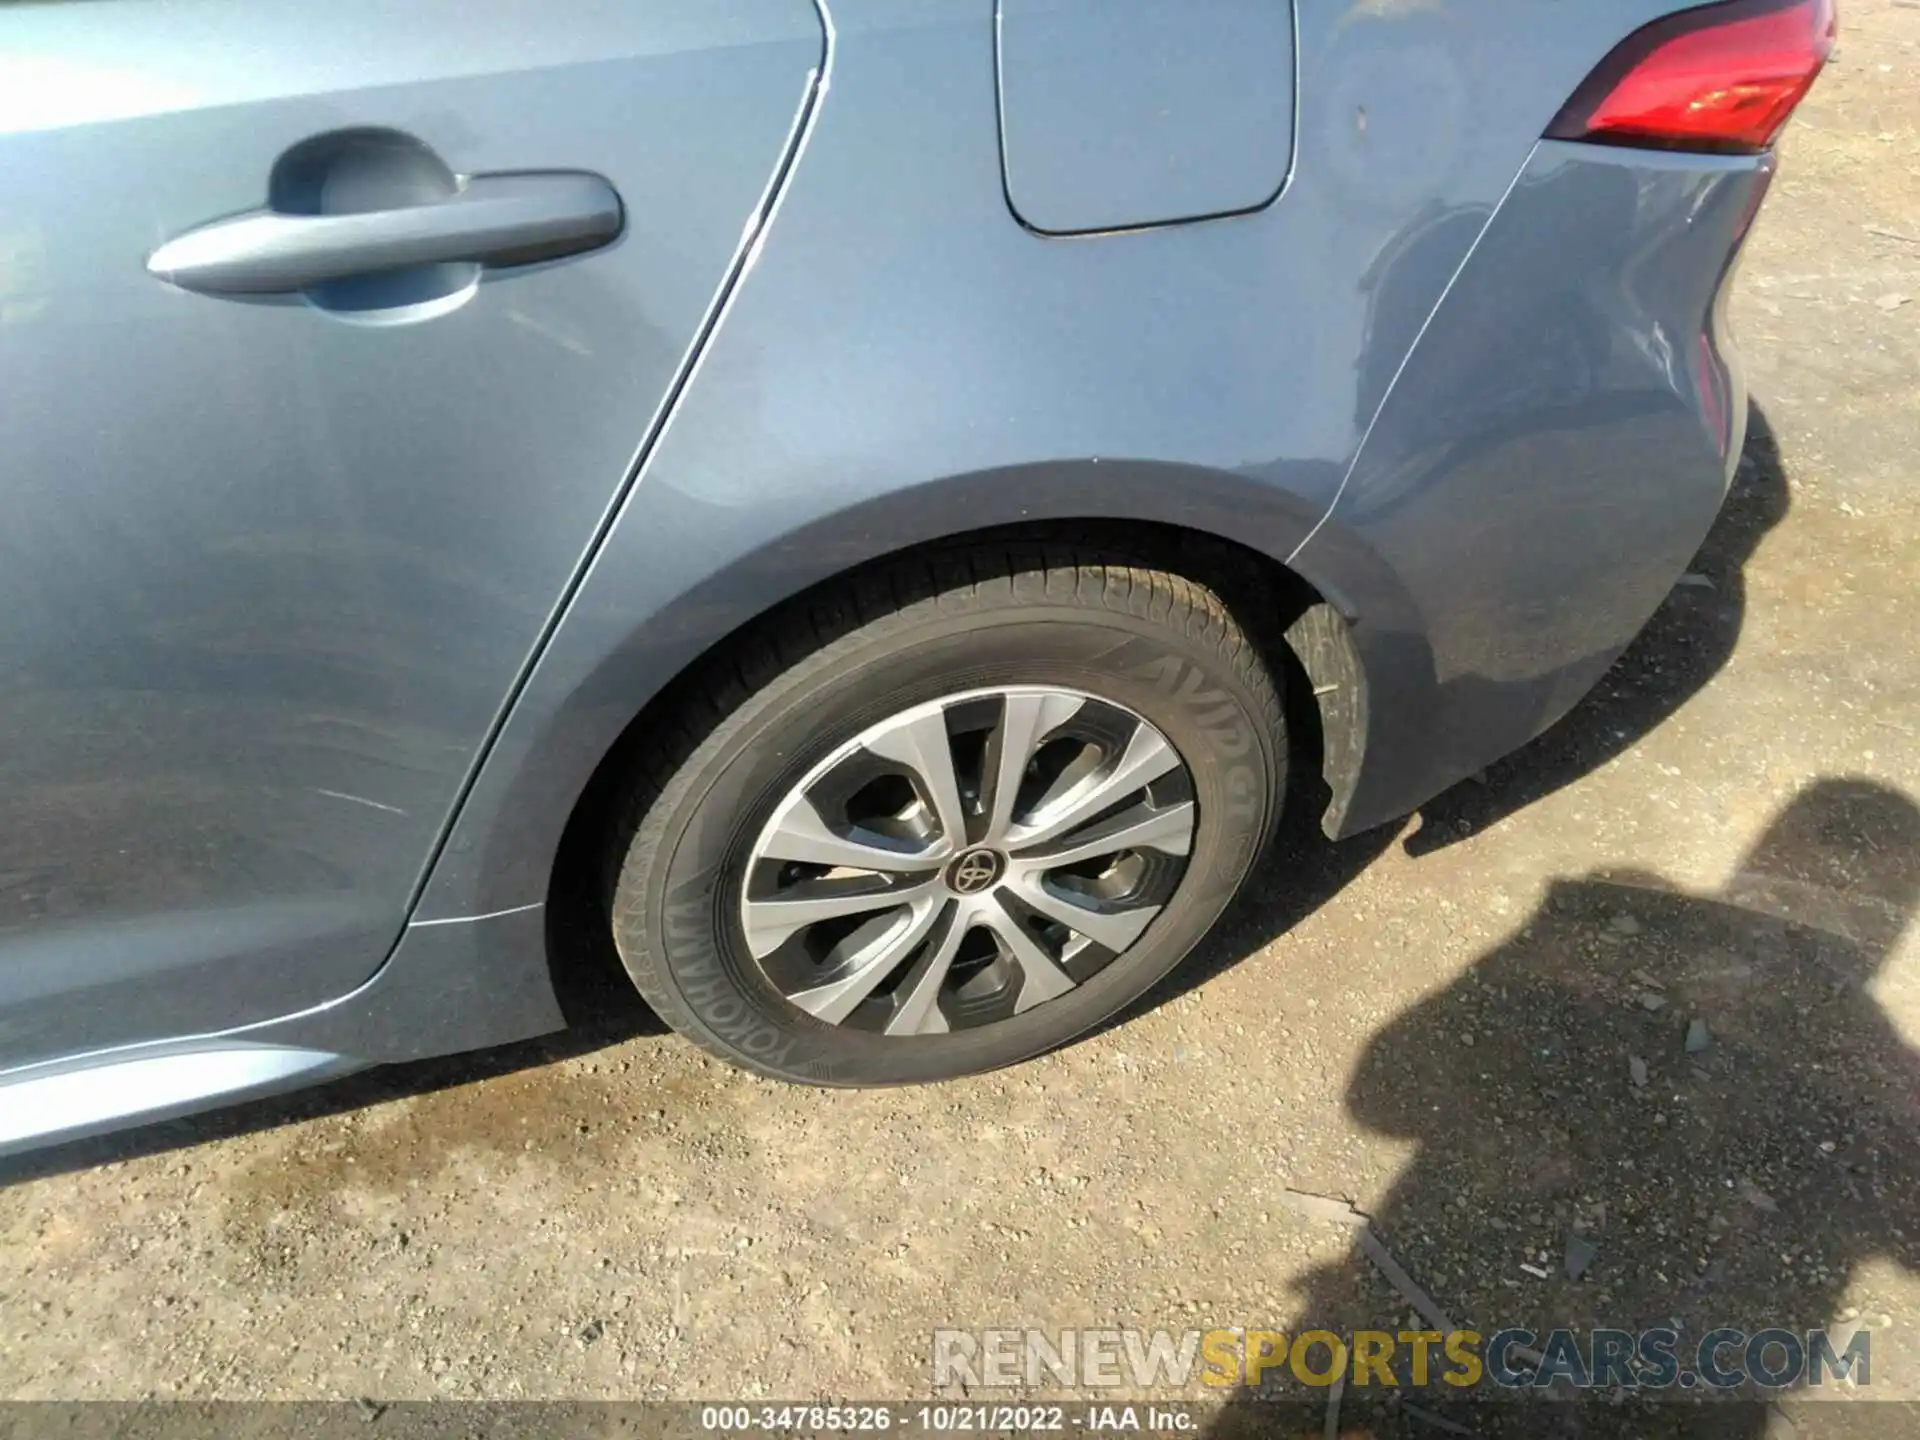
[[598, 692], [1301, 636], [1290, 621]]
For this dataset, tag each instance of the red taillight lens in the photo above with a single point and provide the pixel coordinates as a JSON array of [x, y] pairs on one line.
[[1720, 78]]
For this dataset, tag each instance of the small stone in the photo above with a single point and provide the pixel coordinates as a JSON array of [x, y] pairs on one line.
[[1650, 1001], [1580, 1254], [1697, 1037], [1637, 1068], [1892, 301], [1756, 1197], [1624, 925]]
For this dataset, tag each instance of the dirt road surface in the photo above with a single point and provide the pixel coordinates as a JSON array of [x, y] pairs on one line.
[[1476, 1028]]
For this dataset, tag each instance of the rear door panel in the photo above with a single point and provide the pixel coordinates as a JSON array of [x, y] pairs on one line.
[[267, 575]]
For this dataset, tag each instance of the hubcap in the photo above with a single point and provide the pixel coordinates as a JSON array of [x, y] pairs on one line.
[[967, 859]]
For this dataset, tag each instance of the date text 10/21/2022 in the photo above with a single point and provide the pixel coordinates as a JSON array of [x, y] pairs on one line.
[[950, 1419]]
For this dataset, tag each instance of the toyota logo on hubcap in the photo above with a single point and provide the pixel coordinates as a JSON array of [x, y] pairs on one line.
[[974, 872]]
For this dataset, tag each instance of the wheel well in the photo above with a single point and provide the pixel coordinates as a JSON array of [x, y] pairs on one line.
[[1266, 598]]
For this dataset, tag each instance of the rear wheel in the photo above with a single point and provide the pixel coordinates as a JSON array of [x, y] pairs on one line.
[[947, 817]]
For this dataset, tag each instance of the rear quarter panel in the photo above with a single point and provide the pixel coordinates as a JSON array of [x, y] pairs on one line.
[[1554, 451]]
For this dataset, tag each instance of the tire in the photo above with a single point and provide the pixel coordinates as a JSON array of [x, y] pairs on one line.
[[703, 841]]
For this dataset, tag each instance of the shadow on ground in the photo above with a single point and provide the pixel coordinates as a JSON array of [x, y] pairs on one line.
[[1692, 1101], [1682, 648]]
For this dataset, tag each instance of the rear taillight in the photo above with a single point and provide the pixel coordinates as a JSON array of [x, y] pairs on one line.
[[1720, 78]]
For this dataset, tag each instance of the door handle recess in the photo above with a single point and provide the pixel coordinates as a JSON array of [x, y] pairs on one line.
[[505, 219]]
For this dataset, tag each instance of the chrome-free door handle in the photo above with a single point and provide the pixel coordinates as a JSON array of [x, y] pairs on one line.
[[504, 219]]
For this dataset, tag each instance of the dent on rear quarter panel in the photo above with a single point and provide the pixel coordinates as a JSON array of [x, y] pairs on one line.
[[1551, 456]]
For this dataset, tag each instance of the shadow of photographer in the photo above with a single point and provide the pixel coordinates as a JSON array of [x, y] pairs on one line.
[[1695, 1102]]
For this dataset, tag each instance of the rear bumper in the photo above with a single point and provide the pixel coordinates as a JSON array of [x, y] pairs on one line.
[[1549, 458]]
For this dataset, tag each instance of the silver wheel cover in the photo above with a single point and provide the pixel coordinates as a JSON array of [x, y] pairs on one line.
[[967, 859]]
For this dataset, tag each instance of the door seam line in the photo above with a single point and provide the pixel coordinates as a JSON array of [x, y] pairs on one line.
[[752, 237]]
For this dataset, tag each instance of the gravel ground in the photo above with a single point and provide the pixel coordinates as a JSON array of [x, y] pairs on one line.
[[1476, 1028]]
